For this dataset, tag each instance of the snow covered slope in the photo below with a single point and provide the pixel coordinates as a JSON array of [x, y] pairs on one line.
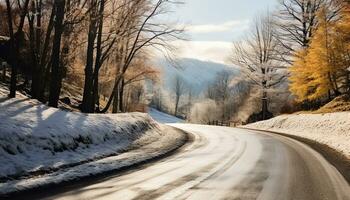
[[42, 145], [196, 73], [163, 117], [35, 137], [332, 129]]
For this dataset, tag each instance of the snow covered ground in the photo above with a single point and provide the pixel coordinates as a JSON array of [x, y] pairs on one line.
[[332, 129], [41, 145], [163, 117]]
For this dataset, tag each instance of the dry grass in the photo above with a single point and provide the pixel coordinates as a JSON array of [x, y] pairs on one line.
[[339, 104]]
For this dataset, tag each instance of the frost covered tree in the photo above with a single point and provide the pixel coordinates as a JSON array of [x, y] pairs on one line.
[[219, 91], [257, 57], [179, 89], [204, 112]]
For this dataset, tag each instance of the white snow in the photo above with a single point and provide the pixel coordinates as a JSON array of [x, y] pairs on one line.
[[170, 140], [331, 129], [163, 117], [59, 145]]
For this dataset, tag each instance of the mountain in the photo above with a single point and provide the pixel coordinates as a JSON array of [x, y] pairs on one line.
[[196, 73]]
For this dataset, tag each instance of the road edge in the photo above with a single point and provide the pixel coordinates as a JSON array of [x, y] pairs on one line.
[[183, 140], [336, 158]]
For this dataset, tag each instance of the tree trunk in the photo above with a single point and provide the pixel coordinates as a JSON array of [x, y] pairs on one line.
[[109, 103], [46, 81], [56, 68], [264, 105], [35, 46], [88, 85], [33, 50], [115, 108], [15, 44], [45, 60], [98, 60], [121, 95], [112, 96], [176, 104], [12, 52]]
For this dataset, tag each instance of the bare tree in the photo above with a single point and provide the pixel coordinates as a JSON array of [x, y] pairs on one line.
[[144, 31], [257, 56], [94, 50], [56, 67], [16, 38], [189, 101], [296, 21], [138, 72], [179, 89], [222, 86], [219, 91], [67, 13], [40, 41]]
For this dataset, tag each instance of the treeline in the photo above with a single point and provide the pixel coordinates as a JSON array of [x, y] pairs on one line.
[[221, 101], [43, 40], [305, 44]]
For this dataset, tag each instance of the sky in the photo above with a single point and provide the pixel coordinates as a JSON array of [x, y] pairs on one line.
[[212, 25]]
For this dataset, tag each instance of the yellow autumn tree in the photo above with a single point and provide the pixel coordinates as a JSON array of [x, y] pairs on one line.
[[322, 69], [343, 25], [320, 59], [341, 45], [300, 78], [311, 71]]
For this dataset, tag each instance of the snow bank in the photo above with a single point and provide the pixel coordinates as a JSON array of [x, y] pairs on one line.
[[41, 145], [163, 117], [331, 129]]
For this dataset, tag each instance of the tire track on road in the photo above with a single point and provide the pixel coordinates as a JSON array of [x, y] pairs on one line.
[[195, 178]]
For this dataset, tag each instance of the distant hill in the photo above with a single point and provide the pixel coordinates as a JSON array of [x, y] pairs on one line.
[[196, 73]]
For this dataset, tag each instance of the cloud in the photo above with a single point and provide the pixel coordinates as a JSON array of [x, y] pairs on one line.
[[233, 25], [215, 51]]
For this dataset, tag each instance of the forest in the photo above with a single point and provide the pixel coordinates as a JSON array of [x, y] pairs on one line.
[[294, 58], [95, 56], [96, 50]]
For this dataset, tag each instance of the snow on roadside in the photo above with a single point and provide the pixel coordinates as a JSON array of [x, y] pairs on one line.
[[41, 145], [163, 117], [171, 139], [331, 129]]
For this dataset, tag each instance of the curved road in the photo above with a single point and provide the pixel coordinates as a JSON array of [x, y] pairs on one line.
[[226, 163]]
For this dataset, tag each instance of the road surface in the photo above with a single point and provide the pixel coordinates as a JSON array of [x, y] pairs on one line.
[[225, 163]]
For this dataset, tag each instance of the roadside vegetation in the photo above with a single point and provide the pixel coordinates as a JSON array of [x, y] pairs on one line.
[[98, 51], [292, 59], [99, 59]]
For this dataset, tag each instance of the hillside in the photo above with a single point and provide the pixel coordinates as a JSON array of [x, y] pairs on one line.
[[40, 145], [196, 73]]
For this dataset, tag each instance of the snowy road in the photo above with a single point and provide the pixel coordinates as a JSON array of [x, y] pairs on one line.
[[225, 163]]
